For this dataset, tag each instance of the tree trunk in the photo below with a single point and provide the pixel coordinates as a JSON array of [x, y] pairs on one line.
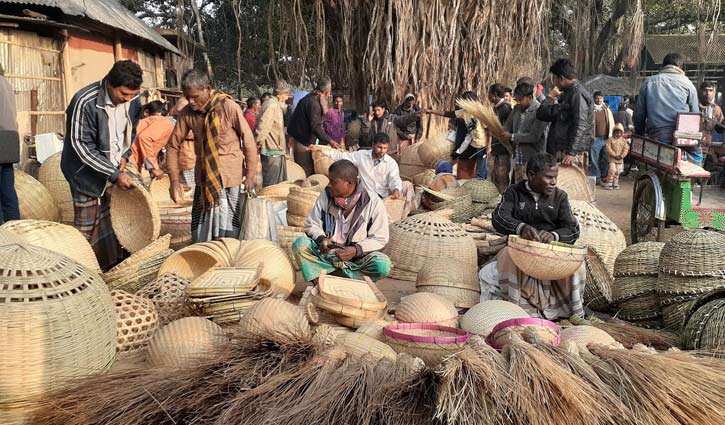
[[236, 8], [199, 28]]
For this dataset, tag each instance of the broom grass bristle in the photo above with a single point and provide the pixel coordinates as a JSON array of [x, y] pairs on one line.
[[629, 335], [483, 111]]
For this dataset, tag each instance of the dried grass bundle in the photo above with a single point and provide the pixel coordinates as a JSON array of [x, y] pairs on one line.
[[673, 390], [408, 397], [483, 111], [629, 335], [546, 393]]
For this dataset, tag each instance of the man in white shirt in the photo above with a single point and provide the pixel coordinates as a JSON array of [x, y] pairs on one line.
[[379, 173]]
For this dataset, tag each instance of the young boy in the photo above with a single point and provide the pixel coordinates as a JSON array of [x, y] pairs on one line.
[[617, 149]]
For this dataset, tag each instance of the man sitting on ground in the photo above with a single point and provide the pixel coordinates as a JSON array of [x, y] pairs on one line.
[[379, 172], [537, 210], [346, 229]]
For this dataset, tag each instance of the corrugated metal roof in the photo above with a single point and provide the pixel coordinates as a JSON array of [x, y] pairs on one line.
[[107, 12], [660, 45], [608, 85]]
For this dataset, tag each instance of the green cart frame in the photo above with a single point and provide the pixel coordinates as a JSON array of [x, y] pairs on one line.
[[663, 192]]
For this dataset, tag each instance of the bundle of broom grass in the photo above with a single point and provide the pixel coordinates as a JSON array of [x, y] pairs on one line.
[[483, 111]]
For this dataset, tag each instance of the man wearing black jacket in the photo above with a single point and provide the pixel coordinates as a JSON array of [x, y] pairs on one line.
[[305, 125], [570, 109], [535, 209], [501, 157]]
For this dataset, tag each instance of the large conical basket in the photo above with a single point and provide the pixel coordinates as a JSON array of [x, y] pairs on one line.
[[424, 307], [135, 217], [35, 201], [184, 342], [435, 149], [598, 232], [483, 317], [552, 261], [575, 183], [639, 259], [410, 163], [483, 191], [275, 318], [277, 272], [694, 253], [51, 176]]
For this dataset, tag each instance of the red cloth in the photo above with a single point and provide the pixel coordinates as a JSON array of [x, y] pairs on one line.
[[251, 118]]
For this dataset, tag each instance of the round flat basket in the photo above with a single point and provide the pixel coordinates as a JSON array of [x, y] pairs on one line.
[[363, 295], [168, 293], [460, 297], [551, 261], [435, 149], [342, 310], [482, 191], [395, 209], [318, 182], [58, 323], [51, 176], [286, 235], [503, 333], [705, 324], [184, 342], [694, 253], [34, 200], [424, 307], [585, 335], [575, 183], [191, 262], [429, 342], [300, 201], [639, 259], [136, 321], [56, 237], [294, 171], [484, 316], [598, 290], [277, 273], [279, 190], [359, 345], [416, 240], [275, 318], [135, 217], [598, 232]]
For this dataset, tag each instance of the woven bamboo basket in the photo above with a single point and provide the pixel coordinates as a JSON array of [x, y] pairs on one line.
[[598, 290], [668, 284], [339, 310], [575, 183], [395, 209], [219, 281], [136, 321], [272, 317], [60, 238], [483, 191], [299, 205], [626, 287], [31, 167], [424, 307], [416, 240], [483, 317], [374, 328], [639, 259], [35, 201], [324, 336], [505, 332], [435, 149], [279, 190], [7, 237], [597, 231], [545, 261], [317, 182], [51, 176], [294, 171], [429, 342], [694, 253], [58, 322], [643, 306], [424, 178], [191, 262], [321, 161], [705, 324], [674, 309], [584, 335], [363, 295], [168, 293], [410, 163], [176, 221], [450, 197], [135, 217], [140, 268], [359, 345], [159, 190], [286, 235], [456, 281], [184, 342], [277, 272]]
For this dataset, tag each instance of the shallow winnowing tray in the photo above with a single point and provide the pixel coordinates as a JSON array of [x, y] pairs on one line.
[[225, 281]]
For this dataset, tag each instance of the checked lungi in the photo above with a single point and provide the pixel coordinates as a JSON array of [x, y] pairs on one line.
[[375, 265], [92, 217], [219, 221]]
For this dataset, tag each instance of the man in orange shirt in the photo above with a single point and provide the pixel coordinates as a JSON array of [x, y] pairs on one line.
[[152, 133]]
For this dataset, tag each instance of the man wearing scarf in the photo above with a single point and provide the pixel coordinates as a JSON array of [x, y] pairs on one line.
[[226, 155], [346, 230], [661, 98], [712, 118]]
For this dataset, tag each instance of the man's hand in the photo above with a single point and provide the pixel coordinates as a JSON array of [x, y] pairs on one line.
[[157, 173], [546, 237], [396, 194], [530, 233], [507, 135], [346, 254], [324, 245], [410, 137], [124, 162], [370, 117], [334, 144], [555, 92], [568, 160], [176, 192], [124, 181], [250, 182], [313, 148], [419, 114]]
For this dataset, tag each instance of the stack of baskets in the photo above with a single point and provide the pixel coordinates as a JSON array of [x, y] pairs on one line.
[[410, 163], [141, 268], [351, 302], [286, 235], [175, 217], [690, 264], [224, 293], [635, 284], [421, 238], [430, 342], [299, 205], [705, 324], [456, 198], [34, 200], [598, 290], [321, 161], [552, 261], [452, 279], [277, 274], [597, 231], [135, 217], [194, 260], [184, 342], [484, 194], [575, 183], [279, 191], [435, 149], [51, 176]]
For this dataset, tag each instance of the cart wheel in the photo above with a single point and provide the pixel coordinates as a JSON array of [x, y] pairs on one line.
[[644, 225]]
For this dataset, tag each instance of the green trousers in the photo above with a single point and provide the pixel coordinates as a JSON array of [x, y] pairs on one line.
[[375, 265]]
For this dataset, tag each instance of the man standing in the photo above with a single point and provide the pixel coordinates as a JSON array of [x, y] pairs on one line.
[[525, 132], [226, 154], [100, 125], [712, 117], [661, 98], [333, 122], [570, 109], [623, 117], [414, 130], [270, 136], [305, 125], [501, 157], [382, 121], [9, 151], [250, 114], [603, 126]]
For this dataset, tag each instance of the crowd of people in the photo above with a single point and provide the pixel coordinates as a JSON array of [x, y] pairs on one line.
[[209, 142]]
